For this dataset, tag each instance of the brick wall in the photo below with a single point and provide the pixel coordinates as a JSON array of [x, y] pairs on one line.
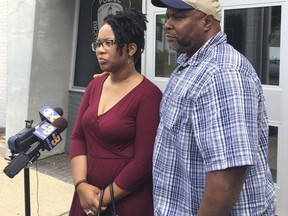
[[74, 103], [3, 60]]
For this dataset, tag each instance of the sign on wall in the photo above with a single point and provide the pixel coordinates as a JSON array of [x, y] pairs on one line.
[[101, 8]]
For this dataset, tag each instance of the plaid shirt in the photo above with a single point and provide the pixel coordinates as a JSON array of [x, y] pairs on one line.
[[213, 117]]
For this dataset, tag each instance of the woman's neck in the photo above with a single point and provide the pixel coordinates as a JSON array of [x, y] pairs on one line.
[[123, 75]]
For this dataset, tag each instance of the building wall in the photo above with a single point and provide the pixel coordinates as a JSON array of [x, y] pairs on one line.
[[3, 61], [39, 58], [51, 60], [19, 57]]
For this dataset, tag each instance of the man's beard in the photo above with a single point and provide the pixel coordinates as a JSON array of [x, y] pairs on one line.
[[181, 46]]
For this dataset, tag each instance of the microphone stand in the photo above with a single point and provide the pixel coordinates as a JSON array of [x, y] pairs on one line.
[[27, 180], [27, 177], [27, 191], [27, 185], [23, 159]]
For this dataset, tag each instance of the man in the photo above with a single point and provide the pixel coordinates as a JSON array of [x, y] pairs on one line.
[[210, 154]]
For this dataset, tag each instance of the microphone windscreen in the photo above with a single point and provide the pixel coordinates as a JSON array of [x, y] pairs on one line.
[[59, 110], [60, 123]]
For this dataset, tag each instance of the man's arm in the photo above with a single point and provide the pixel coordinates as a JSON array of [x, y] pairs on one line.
[[222, 189]]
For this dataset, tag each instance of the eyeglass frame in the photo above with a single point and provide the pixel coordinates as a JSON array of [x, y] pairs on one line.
[[97, 44]]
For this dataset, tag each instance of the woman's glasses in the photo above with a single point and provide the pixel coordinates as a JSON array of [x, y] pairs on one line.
[[107, 44]]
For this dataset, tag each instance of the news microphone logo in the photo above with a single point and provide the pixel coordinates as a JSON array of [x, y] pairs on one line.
[[48, 113], [48, 134]]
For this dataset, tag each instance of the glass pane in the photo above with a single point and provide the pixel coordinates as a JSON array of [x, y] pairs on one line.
[[255, 32], [85, 64], [165, 58], [272, 156]]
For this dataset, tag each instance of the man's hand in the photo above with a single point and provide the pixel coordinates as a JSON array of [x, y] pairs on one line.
[[100, 75]]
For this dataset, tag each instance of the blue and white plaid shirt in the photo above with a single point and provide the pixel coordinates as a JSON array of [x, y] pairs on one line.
[[213, 117]]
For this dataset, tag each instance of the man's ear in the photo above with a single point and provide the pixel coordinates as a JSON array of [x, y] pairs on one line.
[[208, 21]]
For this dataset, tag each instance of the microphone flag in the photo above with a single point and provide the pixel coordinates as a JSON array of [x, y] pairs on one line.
[[48, 134], [48, 113]]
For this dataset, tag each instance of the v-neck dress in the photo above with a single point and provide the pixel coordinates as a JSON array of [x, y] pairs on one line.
[[119, 144]]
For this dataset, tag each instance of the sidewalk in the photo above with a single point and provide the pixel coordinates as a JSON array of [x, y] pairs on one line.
[[51, 187]]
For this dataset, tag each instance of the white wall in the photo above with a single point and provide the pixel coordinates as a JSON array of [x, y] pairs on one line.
[[51, 59], [39, 61], [20, 40], [3, 61]]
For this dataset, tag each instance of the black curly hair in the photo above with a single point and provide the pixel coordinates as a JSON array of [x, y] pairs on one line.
[[128, 26]]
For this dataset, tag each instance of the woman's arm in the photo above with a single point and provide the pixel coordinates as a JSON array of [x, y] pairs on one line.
[[78, 154], [79, 168], [139, 169], [87, 193], [118, 194]]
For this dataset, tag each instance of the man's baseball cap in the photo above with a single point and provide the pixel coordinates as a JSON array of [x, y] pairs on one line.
[[206, 6]]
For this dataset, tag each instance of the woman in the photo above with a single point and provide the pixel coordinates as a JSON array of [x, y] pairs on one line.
[[113, 137]]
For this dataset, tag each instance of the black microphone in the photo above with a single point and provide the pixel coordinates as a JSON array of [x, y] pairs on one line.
[[22, 140], [52, 139], [59, 111]]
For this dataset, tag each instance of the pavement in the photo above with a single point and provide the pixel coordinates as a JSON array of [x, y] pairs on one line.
[[50, 182]]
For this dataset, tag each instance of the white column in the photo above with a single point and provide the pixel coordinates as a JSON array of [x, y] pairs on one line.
[[21, 15], [3, 61]]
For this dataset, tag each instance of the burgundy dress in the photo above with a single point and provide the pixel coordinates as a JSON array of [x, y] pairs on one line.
[[119, 145]]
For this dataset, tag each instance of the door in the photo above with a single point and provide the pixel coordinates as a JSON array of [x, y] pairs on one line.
[[256, 29]]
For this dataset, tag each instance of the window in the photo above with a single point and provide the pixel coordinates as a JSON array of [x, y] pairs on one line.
[[86, 64], [273, 146], [165, 58], [255, 32], [172, 59]]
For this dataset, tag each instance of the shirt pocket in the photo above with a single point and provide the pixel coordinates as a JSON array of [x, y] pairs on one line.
[[172, 111]]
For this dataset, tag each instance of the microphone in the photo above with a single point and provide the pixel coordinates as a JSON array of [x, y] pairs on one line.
[[49, 139], [50, 114], [49, 134], [22, 140]]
